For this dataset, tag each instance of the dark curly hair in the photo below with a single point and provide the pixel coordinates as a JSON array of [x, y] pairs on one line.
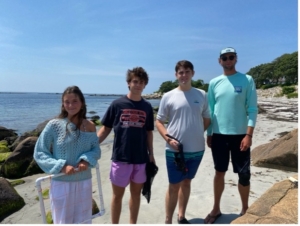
[[137, 72]]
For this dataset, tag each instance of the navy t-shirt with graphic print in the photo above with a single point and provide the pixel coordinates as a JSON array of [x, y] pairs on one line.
[[130, 121]]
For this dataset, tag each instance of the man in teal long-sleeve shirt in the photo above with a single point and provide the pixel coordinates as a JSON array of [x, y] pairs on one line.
[[233, 104]]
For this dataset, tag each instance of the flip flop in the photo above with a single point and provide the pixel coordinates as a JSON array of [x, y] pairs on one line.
[[209, 217]]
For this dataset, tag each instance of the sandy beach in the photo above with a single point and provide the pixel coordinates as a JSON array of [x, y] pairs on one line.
[[201, 198]]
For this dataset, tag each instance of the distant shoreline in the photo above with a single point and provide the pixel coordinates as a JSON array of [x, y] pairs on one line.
[[90, 94], [145, 96]]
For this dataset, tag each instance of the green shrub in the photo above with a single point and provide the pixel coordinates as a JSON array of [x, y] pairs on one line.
[[288, 89], [286, 84], [268, 86], [292, 95]]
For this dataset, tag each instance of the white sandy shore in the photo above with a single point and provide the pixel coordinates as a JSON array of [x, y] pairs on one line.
[[201, 199]]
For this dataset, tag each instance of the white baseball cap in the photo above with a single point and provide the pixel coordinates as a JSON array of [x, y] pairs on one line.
[[227, 50]]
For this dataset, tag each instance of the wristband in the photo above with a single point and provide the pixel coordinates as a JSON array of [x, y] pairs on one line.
[[249, 135]]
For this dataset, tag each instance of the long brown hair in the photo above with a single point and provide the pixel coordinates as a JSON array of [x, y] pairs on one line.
[[82, 113]]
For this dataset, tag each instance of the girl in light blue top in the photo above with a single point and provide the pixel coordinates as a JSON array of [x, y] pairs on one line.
[[69, 145]]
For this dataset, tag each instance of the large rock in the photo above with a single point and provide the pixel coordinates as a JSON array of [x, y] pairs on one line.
[[280, 154], [37, 131], [19, 140], [4, 133], [10, 200], [19, 163], [34, 133], [278, 205]]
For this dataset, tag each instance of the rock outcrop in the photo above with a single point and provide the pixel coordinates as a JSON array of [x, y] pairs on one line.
[[278, 205], [18, 162], [277, 107], [280, 154], [153, 96], [37, 131], [7, 134], [10, 200], [280, 108], [34, 133]]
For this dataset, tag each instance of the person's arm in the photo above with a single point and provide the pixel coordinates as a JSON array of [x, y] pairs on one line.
[[251, 103], [252, 110], [163, 131], [43, 154], [211, 105], [206, 123], [150, 145], [103, 133], [90, 157]]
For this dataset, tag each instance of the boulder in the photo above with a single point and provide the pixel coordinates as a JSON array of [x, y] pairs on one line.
[[10, 200], [34, 133], [18, 162], [95, 117], [19, 140], [10, 140], [4, 132], [280, 153], [278, 205], [37, 131]]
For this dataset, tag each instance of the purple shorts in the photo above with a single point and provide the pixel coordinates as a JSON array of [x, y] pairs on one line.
[[122, 173]]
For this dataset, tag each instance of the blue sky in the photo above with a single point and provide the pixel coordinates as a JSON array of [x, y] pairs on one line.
[[46, 46]]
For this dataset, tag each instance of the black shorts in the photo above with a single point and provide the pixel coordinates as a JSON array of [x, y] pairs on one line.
[[224, 145]]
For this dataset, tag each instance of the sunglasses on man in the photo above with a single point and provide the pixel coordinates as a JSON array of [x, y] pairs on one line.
[[224, 58]]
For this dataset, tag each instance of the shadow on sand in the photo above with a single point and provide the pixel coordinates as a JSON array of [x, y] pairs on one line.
[[224, 219]]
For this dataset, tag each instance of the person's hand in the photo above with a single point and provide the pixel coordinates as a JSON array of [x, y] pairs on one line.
[[68, 170], [246, 143], [82, 165], [208, 141], [174, 144]]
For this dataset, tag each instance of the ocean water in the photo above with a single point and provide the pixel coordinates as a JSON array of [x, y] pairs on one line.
[[22, 112]]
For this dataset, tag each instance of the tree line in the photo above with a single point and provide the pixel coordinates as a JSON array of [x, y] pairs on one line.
[[281, 71], [169, 85]]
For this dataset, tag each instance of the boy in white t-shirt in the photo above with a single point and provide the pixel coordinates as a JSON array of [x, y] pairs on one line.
[[186, 110]]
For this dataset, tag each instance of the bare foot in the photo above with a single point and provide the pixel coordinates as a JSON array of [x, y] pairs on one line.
[[211, 218]]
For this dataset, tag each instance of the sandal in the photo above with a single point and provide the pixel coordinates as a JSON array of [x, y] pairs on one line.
[[210, 219], [183, 221]]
